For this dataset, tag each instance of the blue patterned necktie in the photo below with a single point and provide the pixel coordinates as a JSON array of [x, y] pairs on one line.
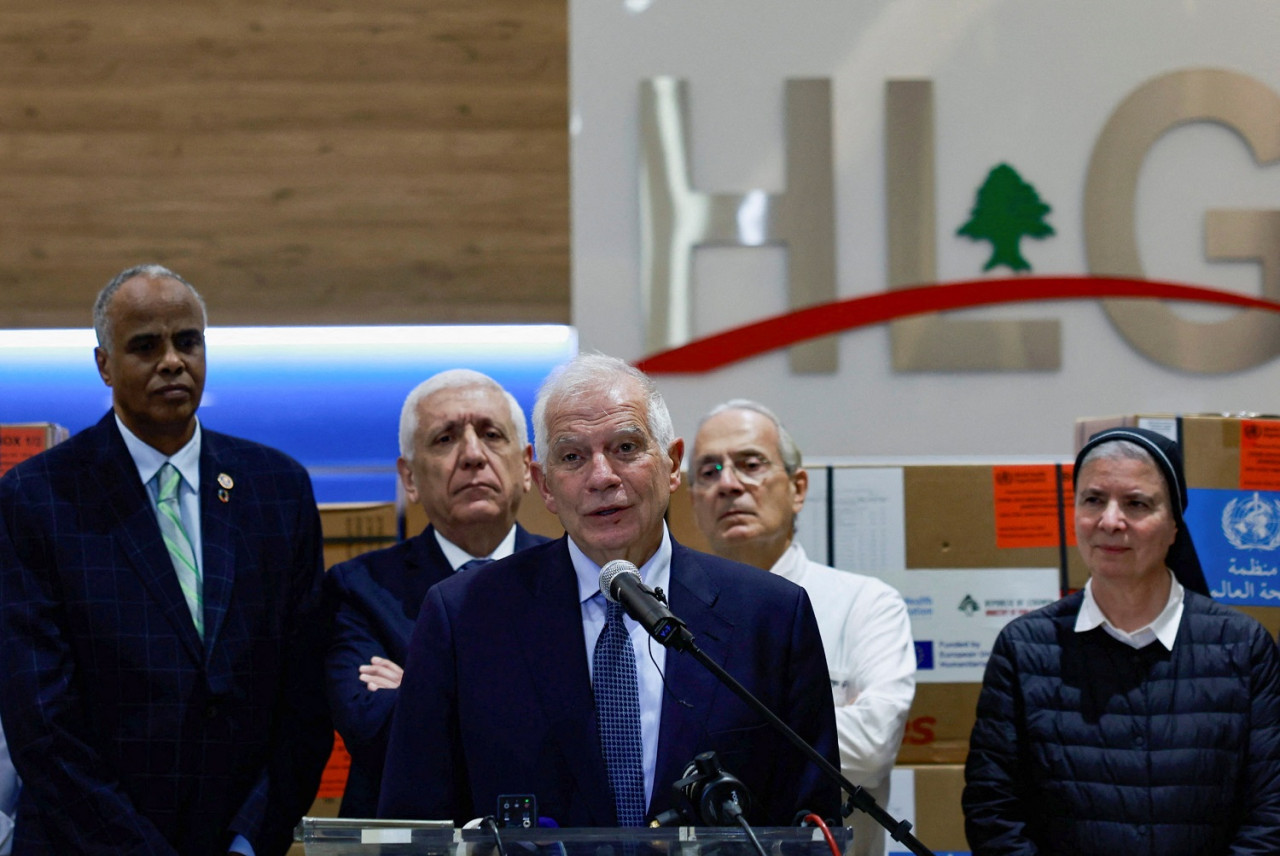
[[617, 695], [169, 516], [473, 563]]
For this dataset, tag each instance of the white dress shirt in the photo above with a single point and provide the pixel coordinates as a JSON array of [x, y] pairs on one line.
[[651, 656], [1163, 629], [186, 461], [457, 557]]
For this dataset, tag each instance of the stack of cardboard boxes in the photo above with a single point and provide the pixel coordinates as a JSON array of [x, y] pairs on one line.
[[970, 545]]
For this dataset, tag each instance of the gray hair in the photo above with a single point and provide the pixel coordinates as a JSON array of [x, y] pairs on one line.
[[453, 379], [1116, 450], [1129, 451], [787, 448], [593, 373], [102, 324]]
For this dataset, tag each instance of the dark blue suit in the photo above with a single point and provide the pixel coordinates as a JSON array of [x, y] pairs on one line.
[[497, 697], [130, 733], [377, 597]]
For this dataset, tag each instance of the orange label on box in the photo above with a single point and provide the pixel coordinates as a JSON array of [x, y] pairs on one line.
[[1027, 505], [1260, 454], [17, 443], [333, 782]]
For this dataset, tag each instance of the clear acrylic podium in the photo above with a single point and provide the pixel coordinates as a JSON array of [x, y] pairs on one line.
[[337, 837]]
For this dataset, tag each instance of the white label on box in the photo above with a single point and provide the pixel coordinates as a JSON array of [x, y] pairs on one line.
[[870, 533], [901, 804], [1166, 425], [386, 836], [811, 522], [956, 614]]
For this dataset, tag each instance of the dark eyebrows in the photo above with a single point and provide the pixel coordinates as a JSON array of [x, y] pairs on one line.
[[454, 425], [447, 427], [1128, 494], [151, 338], [736, 455]]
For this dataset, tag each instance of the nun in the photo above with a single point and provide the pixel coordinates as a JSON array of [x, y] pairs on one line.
[[1137, 715]]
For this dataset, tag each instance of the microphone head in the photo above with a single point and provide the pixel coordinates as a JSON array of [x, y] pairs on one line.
[[610, 572]]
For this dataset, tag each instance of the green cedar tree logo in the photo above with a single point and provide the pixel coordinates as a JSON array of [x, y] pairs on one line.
[[1006, 209]]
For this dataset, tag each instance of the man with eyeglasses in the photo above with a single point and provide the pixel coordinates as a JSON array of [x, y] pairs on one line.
[[748, 487]]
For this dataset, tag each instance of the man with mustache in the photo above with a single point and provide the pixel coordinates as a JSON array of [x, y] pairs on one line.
[[464, 457]]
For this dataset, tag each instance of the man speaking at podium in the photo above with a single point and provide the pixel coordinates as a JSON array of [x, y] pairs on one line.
[[522, 679]]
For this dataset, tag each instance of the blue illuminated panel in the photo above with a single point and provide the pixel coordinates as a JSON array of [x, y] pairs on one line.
[[328, 396]]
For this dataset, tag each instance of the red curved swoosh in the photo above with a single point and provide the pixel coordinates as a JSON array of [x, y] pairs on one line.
[[780, 331]]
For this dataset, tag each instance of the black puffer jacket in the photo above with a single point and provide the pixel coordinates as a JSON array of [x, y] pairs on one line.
[[1084, 745]]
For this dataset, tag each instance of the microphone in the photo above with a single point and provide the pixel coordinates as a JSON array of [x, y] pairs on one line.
[[718, 797], [620, 582]]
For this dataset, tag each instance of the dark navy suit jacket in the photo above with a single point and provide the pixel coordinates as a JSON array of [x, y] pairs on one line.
[[497, 696], [130, 733], [377, 597]]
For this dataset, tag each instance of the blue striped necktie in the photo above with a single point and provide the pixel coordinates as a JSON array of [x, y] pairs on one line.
[[181, 553], [617, 695]]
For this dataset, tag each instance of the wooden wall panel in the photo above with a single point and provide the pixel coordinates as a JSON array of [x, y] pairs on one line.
[[379, 161]]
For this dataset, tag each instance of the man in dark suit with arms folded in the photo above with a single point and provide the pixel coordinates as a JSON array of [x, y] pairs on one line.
[[464, 457], [499, 695], [160, 677]]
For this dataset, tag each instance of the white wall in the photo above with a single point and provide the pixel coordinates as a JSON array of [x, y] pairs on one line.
[[1030, 82]]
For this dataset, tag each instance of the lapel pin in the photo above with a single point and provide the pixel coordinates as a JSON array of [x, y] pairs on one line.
[[225, 482], [223, 495]]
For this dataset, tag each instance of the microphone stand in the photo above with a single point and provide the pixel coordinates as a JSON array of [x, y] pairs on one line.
[[900, 830]]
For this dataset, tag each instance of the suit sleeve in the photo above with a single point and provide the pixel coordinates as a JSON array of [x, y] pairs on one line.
[[883, 682], [1259, 831], [362, 717], [810, 713], [46, 718], [424, 777], [995, 814], [288, 783]]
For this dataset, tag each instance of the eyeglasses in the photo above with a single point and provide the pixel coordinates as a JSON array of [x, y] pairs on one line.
[[750, 470]]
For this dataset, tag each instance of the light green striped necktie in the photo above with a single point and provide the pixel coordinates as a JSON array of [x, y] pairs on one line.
[[175, 538]]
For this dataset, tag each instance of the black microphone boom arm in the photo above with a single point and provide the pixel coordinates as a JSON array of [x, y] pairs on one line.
[[621, 582]]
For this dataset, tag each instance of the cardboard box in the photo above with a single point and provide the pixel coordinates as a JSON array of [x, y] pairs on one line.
[[969, 543], [929, 797], [1232, 467], [999, 515], [680, 521], [352, 528], [333, 781], [939, 724], [20, 441], [963, 515]]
